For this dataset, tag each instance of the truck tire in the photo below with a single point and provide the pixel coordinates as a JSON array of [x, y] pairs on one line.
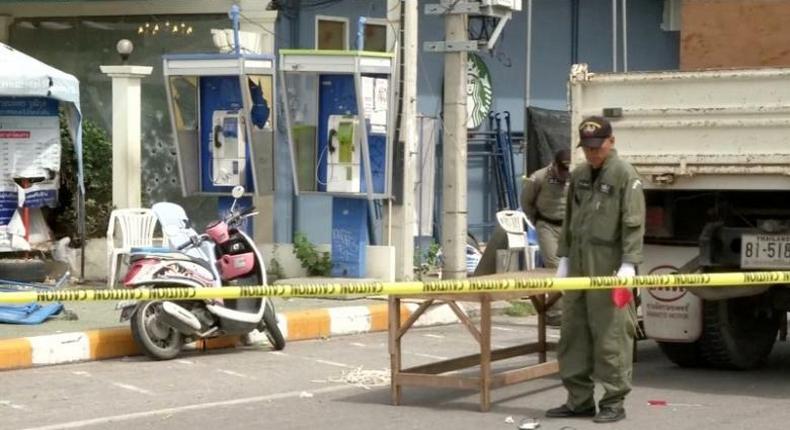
[[738, 333], [683, 354]]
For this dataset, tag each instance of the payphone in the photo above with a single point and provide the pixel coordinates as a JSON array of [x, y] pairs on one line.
[[343, 158], [228, 148], [339, 117]]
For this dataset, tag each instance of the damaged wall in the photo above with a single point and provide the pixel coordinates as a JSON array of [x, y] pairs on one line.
[[734, 33]]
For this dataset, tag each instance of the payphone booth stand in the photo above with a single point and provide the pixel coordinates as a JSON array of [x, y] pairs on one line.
[[222, 109], [339, 116]]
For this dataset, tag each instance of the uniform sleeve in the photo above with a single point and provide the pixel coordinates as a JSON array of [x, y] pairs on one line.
[[633, 219], [529, 194], [564, 245]]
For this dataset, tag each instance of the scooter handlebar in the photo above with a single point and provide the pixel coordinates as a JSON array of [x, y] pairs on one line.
[[193, 241], [241, 215]]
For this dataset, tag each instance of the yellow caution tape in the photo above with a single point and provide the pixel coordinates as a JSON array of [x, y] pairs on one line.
[[460, 286]]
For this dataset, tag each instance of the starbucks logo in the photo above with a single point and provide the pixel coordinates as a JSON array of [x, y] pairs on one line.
[[478, 91]]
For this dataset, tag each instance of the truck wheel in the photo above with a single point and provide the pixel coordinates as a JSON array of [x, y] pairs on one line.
[[683, 354], [738, 333]]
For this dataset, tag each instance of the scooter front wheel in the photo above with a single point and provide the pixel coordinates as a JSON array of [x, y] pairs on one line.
[[156, 339], [272, 330]]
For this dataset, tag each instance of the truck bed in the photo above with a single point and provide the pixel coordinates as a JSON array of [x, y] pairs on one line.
[[705, 130]]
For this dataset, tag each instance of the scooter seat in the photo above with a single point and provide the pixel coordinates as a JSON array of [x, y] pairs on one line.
[[142, 252]]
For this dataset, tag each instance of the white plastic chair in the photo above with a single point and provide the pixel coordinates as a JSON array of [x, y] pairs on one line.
[[136, 228], [513, 223], [176, 230]]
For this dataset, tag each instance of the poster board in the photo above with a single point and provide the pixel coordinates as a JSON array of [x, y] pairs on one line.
[[30, 150]]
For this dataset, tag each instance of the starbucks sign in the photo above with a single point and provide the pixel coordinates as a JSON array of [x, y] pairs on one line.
[[478, 91]]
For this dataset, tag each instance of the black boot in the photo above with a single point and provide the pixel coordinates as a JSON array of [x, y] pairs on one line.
[[565, 412], [609, 414]]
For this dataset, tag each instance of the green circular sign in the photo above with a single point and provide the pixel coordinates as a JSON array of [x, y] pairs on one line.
[[479, 95]]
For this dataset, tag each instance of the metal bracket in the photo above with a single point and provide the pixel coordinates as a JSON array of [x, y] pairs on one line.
[[453, 7], [498, 30], [462, 46], [467, 8]]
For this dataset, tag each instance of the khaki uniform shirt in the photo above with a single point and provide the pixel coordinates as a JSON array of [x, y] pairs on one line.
[[543, 196], [605, 219]]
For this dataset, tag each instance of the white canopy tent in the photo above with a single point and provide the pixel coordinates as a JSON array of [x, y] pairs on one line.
[[24, 76]]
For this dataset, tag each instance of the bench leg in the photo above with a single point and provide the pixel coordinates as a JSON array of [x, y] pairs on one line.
[[394, 348], [485, 354]]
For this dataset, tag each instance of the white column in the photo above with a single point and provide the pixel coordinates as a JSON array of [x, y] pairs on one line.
[[5, 27], [126, 172]]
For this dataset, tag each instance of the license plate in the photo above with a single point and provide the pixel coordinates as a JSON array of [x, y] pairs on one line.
[[765, 251]]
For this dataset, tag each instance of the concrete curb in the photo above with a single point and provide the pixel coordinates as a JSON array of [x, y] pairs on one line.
[[27, 352]]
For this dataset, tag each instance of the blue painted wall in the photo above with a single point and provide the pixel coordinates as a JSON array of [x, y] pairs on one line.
[[650, 48]]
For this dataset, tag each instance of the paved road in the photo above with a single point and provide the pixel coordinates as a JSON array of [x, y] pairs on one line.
[[307, 387]]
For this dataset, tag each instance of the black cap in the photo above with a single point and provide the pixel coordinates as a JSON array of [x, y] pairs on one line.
[[593, 131], [562, 158]]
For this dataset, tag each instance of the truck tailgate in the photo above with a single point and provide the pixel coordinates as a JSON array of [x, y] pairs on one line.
[[717, 130]]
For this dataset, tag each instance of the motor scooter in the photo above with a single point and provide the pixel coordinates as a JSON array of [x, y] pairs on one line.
[[224, 255]]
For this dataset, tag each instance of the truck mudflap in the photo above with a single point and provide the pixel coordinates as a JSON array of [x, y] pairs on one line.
[[672, 314]]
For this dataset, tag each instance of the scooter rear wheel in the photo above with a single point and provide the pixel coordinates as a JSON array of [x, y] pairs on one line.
[[155, 339], [272, 330]]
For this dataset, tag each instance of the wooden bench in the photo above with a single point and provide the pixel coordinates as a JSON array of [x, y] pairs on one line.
[[434, 374]]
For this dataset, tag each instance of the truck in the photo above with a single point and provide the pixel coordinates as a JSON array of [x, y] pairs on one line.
[[712, 148]]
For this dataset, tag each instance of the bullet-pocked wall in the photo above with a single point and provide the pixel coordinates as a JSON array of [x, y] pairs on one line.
[[79, 45], [649, 48]]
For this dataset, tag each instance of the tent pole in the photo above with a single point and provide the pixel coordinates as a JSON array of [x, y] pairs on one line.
[[81, 221]]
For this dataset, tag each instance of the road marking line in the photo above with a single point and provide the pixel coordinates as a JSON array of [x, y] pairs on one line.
[[361, 345], [81, 373], [435, 336], [11, 405], [232, 373], [318, 360], [185, 362], [334, 363], [179, 409], [502, 328], [133, 388]]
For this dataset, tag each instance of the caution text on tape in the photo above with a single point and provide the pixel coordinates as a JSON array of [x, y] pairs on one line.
[[466, 286]]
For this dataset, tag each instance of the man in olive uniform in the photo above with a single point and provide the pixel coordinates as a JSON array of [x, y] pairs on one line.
[[601, 236], [543, 200]]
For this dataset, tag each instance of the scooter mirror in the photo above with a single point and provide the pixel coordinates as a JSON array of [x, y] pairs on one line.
[[237, 192]]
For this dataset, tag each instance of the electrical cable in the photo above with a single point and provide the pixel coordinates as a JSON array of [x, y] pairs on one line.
[[318, 164]]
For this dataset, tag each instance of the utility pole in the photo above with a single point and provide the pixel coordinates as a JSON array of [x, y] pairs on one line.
[[455, 46], [454, 210], [403, 219]]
